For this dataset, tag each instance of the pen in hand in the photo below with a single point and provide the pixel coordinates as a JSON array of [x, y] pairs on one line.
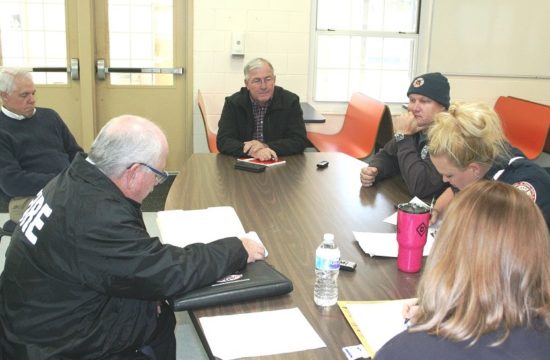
[[408, 312]]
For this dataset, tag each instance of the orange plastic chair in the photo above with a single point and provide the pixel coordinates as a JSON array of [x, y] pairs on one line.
[[525, 124], [367, 123], [210, 133]]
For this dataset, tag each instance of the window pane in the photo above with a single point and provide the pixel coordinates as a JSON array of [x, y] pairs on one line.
[[367, 46], [394, 86], [32, 34], [366, 81], [368, 15], [375, 66], [333, 51], [397, 53], [401, 15], [332, 85], [333, 14], [140, 36]]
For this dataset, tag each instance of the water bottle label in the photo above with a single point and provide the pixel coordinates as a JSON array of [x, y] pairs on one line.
[[327, 264]]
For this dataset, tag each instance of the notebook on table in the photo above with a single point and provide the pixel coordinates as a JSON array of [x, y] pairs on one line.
[[257, 280], [268, 163]]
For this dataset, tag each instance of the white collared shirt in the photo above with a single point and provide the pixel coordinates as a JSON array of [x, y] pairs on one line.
[[14, 115]]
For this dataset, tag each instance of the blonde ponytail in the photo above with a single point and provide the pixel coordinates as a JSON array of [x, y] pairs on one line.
[[467, 133]]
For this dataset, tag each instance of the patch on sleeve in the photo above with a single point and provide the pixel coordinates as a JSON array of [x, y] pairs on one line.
[[526, 188]]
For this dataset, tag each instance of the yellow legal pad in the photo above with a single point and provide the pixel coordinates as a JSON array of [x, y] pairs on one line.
[[375, 322]]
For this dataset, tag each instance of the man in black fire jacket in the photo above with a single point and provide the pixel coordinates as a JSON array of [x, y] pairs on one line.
[[83, 279]]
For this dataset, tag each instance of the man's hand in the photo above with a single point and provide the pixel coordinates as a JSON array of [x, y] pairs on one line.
[[255, 250], [265, 154], [259, 150], [406, 124], [368, 175], [253, 146]]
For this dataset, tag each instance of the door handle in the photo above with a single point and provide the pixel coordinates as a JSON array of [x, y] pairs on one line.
[[73, 69], [102, 70]]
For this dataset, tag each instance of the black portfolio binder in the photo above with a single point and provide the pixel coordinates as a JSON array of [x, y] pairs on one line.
[[257, 280]]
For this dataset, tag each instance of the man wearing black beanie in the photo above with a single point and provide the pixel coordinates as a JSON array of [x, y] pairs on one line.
[[406, 154]]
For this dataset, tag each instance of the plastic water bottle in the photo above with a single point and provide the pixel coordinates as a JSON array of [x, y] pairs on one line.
[[327, 266]]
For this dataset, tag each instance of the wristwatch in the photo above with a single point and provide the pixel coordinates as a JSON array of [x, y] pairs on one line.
[[398, 137]]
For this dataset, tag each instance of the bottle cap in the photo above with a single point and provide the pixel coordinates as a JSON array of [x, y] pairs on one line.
[[328, 237]]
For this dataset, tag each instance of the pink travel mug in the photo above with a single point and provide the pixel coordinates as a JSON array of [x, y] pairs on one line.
[[412, 231]]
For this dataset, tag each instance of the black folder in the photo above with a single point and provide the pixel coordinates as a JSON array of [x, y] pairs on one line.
[[257, 280]]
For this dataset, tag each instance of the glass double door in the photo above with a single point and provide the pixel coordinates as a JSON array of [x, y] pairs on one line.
[[120, 56]]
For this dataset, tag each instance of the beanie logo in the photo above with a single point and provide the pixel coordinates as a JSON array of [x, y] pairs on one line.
[[418, 82]]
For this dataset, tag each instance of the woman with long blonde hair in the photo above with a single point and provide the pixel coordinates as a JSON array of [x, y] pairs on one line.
[[485, 290]]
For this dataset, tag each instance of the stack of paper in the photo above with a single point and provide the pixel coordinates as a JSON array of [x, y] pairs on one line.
[[385, 244], [270, 162], [184, 227], [258, 334]]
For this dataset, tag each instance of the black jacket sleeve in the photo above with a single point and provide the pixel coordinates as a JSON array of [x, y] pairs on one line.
[[420, 175], [284, 128], [122, 260], [234, 128], [386, 161]]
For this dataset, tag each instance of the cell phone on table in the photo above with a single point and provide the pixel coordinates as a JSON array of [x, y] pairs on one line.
[[247, 166], [347, 265], [322, 164]]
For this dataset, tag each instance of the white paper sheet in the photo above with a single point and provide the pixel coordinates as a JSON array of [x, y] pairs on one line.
[[385, 244], [184, 227], [260, 333], [378, 321], [392, 219]]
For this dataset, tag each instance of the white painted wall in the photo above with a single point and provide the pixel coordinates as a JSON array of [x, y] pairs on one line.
[[279, 30]]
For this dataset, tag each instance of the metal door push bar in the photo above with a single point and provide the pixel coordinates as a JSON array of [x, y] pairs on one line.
[[102, 70]]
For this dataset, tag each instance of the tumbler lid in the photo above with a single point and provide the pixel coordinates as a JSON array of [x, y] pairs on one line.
[[328, 237], [413, 208]]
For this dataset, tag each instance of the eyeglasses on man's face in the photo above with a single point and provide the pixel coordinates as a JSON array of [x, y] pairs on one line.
[[160, 175], [268, 80]]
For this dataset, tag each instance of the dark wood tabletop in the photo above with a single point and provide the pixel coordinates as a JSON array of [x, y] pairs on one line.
[[291, 206]]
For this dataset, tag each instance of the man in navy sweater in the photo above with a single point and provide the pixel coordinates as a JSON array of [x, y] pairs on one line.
[[35, 143]]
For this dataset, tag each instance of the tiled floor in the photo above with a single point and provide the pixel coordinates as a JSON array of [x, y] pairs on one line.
[[189, 346]]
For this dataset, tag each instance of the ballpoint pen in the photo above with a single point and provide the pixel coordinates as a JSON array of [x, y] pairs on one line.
[[432, 204]]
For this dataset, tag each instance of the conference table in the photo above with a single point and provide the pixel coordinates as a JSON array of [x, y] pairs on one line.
[[291, 206], [310, 114]]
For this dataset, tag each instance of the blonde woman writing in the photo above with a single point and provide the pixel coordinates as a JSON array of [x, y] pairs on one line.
[[485, 291]]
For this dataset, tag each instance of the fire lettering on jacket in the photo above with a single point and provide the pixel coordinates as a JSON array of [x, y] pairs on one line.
[[32, 218]]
